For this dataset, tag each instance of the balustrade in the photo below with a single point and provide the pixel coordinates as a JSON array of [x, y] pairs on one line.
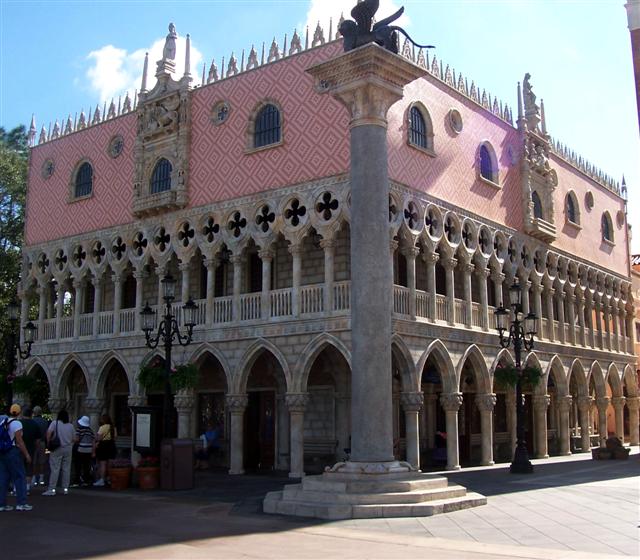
[[401, 300], [476, 315], [201, 313], [281, 302], [422, 304], [312, 299], [86, 324], [128, 320], [460, 311], [66, 327], [49, 329], [222, 309], [342, 296], [442, 308], [250, 306], [105, 322]]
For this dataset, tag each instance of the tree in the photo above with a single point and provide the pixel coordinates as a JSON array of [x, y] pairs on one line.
[[13, 188]]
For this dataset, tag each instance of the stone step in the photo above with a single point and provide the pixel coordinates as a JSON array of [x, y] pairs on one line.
[[407, 484], [300, 494]]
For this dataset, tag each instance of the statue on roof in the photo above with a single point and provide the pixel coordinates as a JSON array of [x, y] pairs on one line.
[[169, 51], [531, 110], [360, 32]]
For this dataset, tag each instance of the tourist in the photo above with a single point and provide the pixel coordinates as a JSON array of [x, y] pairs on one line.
[[86, 451], [106, 448], [31, 436], [11, 463], [60, 457], [40, 458]]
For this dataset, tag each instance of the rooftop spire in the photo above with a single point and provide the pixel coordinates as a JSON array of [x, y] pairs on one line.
[[187, 58], [145, 68], [31, 137]]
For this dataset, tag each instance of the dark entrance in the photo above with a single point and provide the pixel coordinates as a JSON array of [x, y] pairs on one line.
[[260, 431]]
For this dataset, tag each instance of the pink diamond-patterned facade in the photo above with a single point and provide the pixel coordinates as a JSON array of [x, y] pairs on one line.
[[315, 144]]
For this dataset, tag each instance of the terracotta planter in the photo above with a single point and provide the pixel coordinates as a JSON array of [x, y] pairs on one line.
[[148, 477], [120, 478]]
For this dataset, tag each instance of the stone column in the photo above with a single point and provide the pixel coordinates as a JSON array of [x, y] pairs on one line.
[[589, 313], [412, 403], [184, 403], [368, 80], [618, 407], [135, 400], [572, 317], [117, 302], [236, 405], [607, 325], [564, 408], [42, 310], [483, 275], [582, 338], [431, 259], [537, 299], [185, 269], [526, 304], [633, 404], [237, 261], [265, 304], [296, 253], [23, 295], [561, 321], [98, 284], [94, 408], [602, 403], [449, 267], [59, 309], [211, 265], [451, 403], [598, 326], [584, 406], [410, 254], [468, 269], [548, 298], [77, 307], [485, 404], [431, 401], [161, 270], [297, 404], [329, 248], [614, 323], [498, 279], [540, 405], [139, 275]]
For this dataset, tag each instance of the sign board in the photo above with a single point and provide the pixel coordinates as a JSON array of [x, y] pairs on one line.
[[145, 429]]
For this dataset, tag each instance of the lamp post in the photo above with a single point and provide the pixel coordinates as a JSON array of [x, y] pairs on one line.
[[520, 333], [13, 345], [168, 331]]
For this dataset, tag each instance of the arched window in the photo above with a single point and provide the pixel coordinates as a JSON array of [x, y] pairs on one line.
[[607, 227], [417, 129], [488, 163], [572, 209], [267, 127], [161, 177], [84, 180], [537, 205]]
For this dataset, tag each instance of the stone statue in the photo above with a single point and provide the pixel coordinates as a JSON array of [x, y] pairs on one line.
[[531, 110], [169, 51], [360, 32]]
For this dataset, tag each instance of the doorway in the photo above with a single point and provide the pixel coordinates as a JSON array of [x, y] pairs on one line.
[[260, 431]]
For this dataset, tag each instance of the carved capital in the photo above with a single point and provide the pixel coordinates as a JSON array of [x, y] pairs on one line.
[[297, 402], [412, 402], [451, 401], [486, 402], [236, 403], [295, 249], [633, 403], [266, 255], [328, 244], [236, 259], [410, 252], [564, 403], [483, 273], [584, 404], [449, 263], [211, 264], [94, 406], [431, 258], [184, 266], [184, 401], [541, 401], [618, 402], [603, 403], [498, 277], [56, 405], [469, 268]]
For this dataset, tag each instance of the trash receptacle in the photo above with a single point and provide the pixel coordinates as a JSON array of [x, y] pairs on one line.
[[176, 464]]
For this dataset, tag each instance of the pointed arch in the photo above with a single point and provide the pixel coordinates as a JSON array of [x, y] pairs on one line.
[[614, 380], [503, 356], [555, 367], [200, 354], [401, 352], [251, 354], [577, 372], [37, 361], [630, 380], [440, 353], [597, 375], [480, 369], [97, 388], [310, 353], [63, 373]]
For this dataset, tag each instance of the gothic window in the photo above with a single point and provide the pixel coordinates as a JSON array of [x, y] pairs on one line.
[[255, 273], [161, 176], [607, 228], [420, 128], [267, 127], [129, 292], [537, 205], [488, 163], [571, 207], [89, 298], [84, 180]]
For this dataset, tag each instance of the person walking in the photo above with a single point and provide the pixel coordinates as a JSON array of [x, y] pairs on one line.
[[106, 449], [86, 450], [11, 461], [40, 458], [60, 458], [31, 437]]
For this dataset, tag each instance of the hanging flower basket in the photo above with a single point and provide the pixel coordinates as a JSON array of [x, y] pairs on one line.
[[507, 376], [152, 377]]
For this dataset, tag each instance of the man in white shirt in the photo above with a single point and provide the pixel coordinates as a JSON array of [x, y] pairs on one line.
[[11, 464]]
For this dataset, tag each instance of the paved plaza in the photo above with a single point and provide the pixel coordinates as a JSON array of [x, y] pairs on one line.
[[571, 507]]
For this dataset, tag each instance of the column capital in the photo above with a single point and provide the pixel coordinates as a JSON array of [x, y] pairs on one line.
[[329, 243], [140, 274], [431, 258], [393, 244], [483, 272], [236, 259], [584, 403], [602, 403], [184, 266], [468, 268], [449, 263], [618, 402], [498, 277], [184, 401], [295, 249], [451, 401], [77, 283], [94, 406], [536, 286], [633, 403], [565, 402], [541, 401], [266, 254], [116, 277], [56, 405], [412, 402], [212, 263], [236, 403], [296, 402], [486, 402], [410, 252]]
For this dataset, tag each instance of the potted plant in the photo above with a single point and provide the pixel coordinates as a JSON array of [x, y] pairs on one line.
[[152, 376], [120, 473], [148, 471]]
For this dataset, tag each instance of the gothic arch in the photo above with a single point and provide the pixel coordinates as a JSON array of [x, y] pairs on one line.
[[505, 356], [614, 380], [251, 354], [555, 368], [443, 358], [97, 388], [403, 357], [576, 370], [631, 381], [201, 352], [481, 372], [63, 372], [37, 361], [309, 355], [597, 375]]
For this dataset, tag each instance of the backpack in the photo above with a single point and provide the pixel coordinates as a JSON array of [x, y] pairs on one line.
[[6, 443]]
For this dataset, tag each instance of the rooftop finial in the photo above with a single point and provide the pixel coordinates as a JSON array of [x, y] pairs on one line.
[[542, 118], [213, 72], [187, 58], [145, 69], [31, 138]]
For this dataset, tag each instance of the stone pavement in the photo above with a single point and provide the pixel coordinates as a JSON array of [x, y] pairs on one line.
[[570, 507]]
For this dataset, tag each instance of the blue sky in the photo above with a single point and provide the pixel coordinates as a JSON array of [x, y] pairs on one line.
[[60, 56]]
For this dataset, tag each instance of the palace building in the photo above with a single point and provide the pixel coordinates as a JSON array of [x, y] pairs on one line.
[[239, 187]]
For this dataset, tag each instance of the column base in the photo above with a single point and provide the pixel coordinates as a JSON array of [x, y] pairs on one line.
[[240, 471], [488, 463], [296, 475], [453, 468], [370, 467]]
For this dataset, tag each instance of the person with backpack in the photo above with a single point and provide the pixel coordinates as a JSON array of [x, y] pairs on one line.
[[12, 450]]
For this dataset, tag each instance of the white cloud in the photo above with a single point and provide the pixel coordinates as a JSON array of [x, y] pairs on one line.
[[114, 71], [322, 10]]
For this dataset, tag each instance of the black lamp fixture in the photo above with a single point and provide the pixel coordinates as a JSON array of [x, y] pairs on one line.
[[13, 345], [167, 331], [520, 333]]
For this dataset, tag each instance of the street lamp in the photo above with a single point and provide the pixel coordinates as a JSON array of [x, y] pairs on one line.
[[520, 333], [13, 346], [168, 331]]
